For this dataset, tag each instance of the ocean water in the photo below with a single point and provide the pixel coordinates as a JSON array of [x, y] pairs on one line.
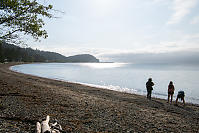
[[125, 77]]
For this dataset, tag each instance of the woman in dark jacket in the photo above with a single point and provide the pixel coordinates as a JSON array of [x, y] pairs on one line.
[[170, 91]]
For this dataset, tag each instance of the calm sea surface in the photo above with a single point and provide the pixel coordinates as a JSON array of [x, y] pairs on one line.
[[125, 77]]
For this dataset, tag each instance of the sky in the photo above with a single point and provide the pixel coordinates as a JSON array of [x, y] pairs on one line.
[[121, 30]]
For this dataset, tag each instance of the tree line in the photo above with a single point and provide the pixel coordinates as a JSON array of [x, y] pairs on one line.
[[12, 53]]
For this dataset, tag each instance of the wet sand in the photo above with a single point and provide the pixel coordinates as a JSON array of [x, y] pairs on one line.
[[26, 99]]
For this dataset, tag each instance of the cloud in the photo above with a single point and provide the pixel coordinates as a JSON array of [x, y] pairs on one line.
[[181, 9], [195, 20], [182, 51], [188, 42], [161, 1], [191, 37], [170, 58]]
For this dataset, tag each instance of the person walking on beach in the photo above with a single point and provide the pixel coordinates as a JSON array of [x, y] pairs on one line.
[[181, 96], [149, 87], [170, 91]]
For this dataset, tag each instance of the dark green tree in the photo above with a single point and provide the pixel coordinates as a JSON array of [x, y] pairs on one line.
[[22, 17]]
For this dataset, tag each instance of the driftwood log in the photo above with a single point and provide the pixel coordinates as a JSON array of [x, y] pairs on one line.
[[46, 127]]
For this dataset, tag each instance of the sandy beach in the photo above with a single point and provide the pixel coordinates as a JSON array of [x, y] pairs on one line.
[[26, 99]]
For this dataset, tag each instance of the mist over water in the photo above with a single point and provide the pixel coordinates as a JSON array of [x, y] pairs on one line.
[[125, 77]]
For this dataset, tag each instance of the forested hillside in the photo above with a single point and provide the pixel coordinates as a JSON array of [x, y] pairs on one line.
[[12, 53]]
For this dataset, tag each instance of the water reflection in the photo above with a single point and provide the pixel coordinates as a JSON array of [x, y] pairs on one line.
[[103, 65]]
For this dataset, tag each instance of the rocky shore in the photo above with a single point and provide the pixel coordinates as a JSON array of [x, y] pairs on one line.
[[26, 99]]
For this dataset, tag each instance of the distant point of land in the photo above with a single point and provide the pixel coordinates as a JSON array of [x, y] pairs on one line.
[[13, 53]]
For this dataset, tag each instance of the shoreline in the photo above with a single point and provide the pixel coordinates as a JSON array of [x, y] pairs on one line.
[[163, 96], [26, 99]]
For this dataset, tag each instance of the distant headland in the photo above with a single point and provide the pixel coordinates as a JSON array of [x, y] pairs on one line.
[[13, 53]]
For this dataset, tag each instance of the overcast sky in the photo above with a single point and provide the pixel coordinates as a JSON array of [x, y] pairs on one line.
[[105, 28]]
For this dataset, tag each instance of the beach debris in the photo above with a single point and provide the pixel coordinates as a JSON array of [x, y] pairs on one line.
[[46, 127], [38, 127]]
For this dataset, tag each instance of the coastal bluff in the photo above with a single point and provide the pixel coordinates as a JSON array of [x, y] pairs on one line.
[[82, 58], [26, 99], [13, 53]]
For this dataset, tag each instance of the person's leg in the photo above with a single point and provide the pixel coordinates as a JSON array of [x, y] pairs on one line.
[[171, 98], [183, 100], [150, 94], [177, 100], [168, 97]]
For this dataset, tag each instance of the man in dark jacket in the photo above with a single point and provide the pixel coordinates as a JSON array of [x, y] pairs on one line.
[[149, 87]]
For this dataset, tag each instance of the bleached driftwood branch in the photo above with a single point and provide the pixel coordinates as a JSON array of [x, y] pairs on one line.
[[38, 128], [44, 127]]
